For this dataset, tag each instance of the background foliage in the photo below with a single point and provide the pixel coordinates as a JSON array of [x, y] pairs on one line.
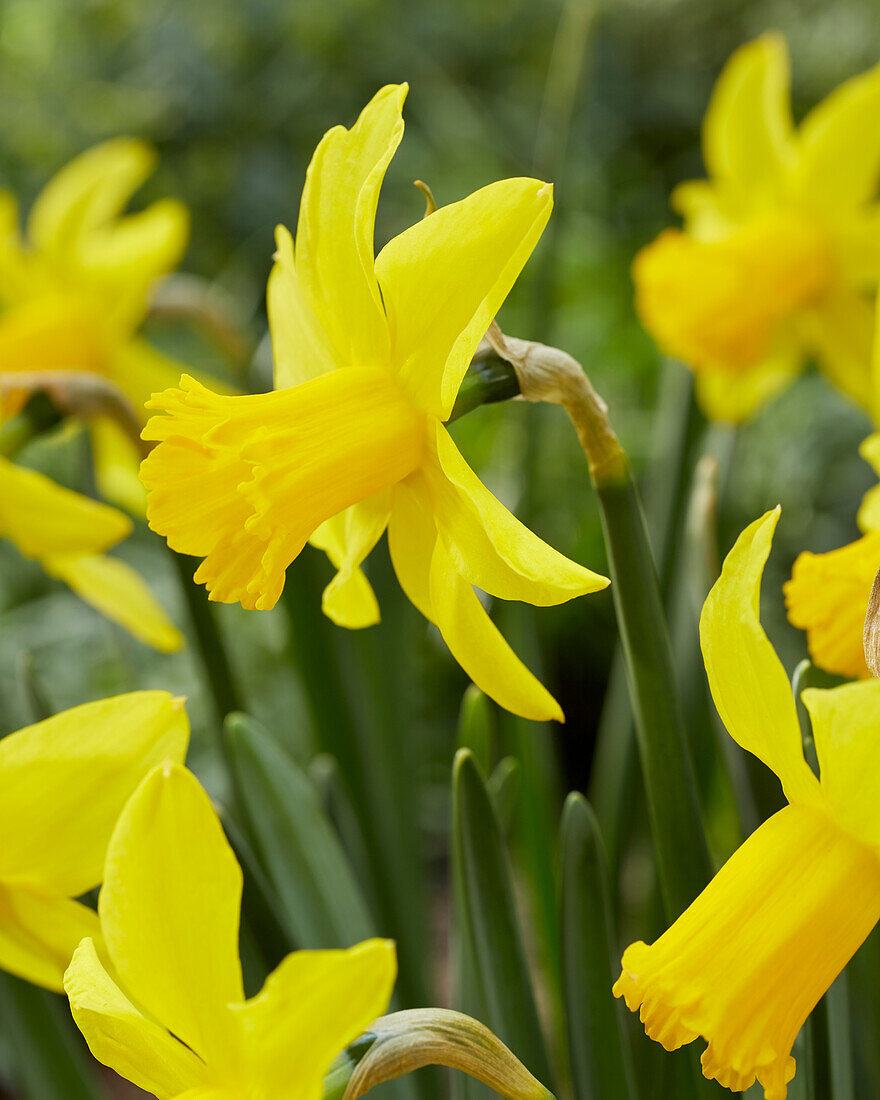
[[605, 101]]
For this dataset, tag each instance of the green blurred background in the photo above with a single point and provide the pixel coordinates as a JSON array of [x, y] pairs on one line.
[[605, 101]]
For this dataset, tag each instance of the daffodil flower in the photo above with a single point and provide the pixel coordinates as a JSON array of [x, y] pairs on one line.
[[68, 534], [75, 289], [171, 1015], [748, 961], [827, 595], [63, 784], [369, 357], [780, 244]]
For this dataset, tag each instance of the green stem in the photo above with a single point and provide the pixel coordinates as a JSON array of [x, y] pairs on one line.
[[209, 640]]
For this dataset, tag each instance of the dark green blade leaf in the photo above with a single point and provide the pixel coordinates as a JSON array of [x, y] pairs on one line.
[[599, 1051], [50, 1061], [320, 902], [489, 914]]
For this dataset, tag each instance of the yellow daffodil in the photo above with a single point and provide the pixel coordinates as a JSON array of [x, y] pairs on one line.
[[369, 356], [74, 291], [67, 534], [171, 1016], [748, 961], [63, 784], [780, 244], [827, 595]]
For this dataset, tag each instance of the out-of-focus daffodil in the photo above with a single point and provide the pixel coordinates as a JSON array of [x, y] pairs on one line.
[[68, 535], [827, 595], [780, 245], [172, 1016], [75, 289], [63, 784], [369, 357], [748, 961]]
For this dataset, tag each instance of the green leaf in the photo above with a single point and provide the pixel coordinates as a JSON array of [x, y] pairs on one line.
[[598, 1048], [504, 786], [475, 730], [50, 1060], [320, 903], [489, 913]]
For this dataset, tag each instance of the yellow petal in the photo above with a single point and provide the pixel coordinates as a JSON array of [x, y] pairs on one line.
[[244, 481], [64, 782], [488, 545], [734, 396], [840, 330], [18, 276], [300, 348], [869, 511], [428, 576], [120, 593], [117, 459], [88, 192], [838, 147], [123, 1038], [707, 213], [312, 1006], [170, 910], [747, 962], [828, 597], [53, 332], [140, 370], [747, 680], [857, 244], [43, 519], [845, 722], [347, 539], [334, 236], [747, 131], [39, 932], [437, 315]]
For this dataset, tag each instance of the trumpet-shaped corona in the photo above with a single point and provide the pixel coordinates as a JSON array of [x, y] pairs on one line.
[[170, 1015], [748, 961], [776, 255], [369, 356], [63, 784]]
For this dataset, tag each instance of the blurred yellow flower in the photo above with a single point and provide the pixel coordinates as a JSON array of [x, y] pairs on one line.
[[781, 245], [748, 961], [171, 1016], [74, 291], [827, 595], [68, 534], [63, 784], [369, 357]]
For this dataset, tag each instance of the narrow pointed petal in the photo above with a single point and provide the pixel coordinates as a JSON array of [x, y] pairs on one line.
[[347, 539], [334, 237], [748, 683], [312, 1006], [428, 576], [488, 544], [42, 518], [170, 910], [869, 449], [733, 396], [747, 131], [68, 779], [119, 592], [39, 932], [117, 459], [300, 348], [845, 721], [88, 192], [838, 162], [444, 279], [121, 1037]]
